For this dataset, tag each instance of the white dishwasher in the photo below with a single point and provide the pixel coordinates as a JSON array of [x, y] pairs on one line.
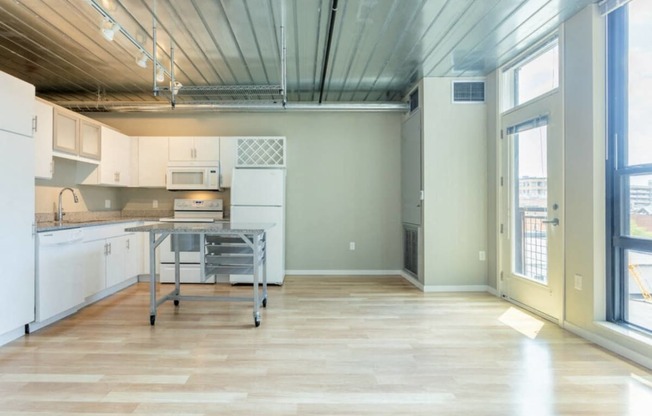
[[59, 285]]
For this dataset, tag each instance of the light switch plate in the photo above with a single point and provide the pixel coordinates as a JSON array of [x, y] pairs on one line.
[[107, 203], [578, 282]]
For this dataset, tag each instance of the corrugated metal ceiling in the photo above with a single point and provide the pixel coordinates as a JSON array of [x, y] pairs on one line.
[[232, 48]]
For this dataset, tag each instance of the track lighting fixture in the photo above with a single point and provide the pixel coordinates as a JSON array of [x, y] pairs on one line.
[[160, 74], [141, 61], [109, 28]]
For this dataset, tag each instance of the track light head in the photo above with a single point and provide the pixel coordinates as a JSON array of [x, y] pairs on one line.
[[109, 29], [141, 61], [160, 74]]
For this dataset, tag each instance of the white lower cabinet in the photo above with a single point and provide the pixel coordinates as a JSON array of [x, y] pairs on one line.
[[122, 259], [111, 257], [93, 259], [82, 265]]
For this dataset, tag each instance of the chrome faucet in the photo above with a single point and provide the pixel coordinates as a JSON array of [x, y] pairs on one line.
[[60, 207]]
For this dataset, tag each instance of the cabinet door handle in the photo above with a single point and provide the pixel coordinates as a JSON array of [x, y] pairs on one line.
[[128, 244], [106, 249], [109, 248]]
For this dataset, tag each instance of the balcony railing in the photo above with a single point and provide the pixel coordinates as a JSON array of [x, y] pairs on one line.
[[531, 244]]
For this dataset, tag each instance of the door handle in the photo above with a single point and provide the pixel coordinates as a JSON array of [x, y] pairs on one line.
[[554, 222]]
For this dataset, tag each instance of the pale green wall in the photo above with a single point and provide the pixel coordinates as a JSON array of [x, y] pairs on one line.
[[584, 151], [455, 186], [343, 181], [493, 131]]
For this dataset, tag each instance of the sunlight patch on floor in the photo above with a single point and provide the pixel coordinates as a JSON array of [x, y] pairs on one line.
[[522, 322]]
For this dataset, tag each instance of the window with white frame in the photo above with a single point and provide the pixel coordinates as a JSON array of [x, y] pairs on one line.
[[532, 76]]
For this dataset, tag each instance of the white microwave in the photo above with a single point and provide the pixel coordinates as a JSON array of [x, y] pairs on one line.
[[193, 176]]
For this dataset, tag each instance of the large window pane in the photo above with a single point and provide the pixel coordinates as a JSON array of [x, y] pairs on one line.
[[639, 135], [639, 299], [537, 76], [533, 76], [638, 191]]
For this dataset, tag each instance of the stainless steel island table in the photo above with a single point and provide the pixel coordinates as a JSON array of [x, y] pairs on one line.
[[225, 248]]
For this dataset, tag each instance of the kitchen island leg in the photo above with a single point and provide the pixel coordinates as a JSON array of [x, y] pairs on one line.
[[256, 250], [177, 268], [152, 278]]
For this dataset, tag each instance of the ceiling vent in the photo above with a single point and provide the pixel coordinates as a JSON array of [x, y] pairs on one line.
[[468, 91]]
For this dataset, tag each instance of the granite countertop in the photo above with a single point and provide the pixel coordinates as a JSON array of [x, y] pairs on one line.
[[54, 226], [218, 227]]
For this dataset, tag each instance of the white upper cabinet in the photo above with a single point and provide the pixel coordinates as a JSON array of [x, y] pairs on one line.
[[90, 139], [115, 167], [66, 132], [228, 147], [75, 135], [152, 161], [194, 149], [17, 105], [44, 166]]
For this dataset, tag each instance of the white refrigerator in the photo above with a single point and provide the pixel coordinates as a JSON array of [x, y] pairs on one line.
[[258, 195]]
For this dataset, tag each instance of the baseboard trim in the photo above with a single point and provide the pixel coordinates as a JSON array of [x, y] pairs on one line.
[[13, 335], [390, 273], [610, 345], [342, 272], [412, 280], [455, 288]]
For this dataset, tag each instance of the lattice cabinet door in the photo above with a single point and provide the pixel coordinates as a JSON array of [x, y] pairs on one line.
[[261, 152]]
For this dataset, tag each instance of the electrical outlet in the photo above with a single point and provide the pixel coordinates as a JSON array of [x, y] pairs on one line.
[[155, 203], [352, 245], [107, 203], [578, 282], [482, 256]]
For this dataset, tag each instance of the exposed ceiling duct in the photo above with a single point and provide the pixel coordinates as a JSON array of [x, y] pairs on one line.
[[248, 106], [327, 49]]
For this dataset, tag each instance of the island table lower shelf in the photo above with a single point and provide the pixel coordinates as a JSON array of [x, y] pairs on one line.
[[225, 247]]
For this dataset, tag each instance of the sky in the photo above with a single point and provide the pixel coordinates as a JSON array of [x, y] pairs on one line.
[[640, 82]]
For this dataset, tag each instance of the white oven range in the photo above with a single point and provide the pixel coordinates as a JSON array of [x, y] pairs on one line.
[[189, 210]]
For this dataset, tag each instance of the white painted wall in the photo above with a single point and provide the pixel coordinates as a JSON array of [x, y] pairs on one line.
[[343, 182], [455, 185]]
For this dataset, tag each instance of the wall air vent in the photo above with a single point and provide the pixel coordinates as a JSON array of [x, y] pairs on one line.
[[413, 100], [468, 91]]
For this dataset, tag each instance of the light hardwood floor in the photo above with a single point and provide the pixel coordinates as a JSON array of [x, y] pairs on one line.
[[326, 346]]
